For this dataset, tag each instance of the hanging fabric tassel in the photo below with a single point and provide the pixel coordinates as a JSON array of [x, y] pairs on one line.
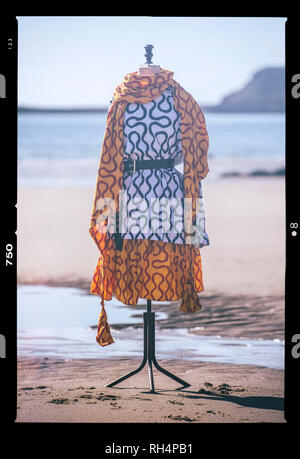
[[190, 300], [103, 332]]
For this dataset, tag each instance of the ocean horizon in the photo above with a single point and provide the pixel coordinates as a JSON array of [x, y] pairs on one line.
[[63, 149]]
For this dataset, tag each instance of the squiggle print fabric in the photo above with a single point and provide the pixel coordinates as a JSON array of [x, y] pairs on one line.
[[153, 117], [153, 131]]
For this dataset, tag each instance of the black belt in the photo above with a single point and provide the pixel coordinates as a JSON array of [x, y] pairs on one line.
[[133, 165]]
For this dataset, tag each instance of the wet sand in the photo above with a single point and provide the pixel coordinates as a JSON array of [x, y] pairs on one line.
[[243, 268], [223, 315]]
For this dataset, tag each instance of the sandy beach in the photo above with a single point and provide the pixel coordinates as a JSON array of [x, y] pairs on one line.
[[245, 222], [244, 276], [72, 391]]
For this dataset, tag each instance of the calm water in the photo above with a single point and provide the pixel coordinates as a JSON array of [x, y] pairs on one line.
[[64, 149], [56, 322]]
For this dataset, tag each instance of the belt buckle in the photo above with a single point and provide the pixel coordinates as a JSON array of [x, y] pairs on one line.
[[132, 166]]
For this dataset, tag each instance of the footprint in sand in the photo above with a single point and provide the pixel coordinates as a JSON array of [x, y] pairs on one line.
[[181, 418], [103, 397], [60, 401], [223, 389], [226, 388]]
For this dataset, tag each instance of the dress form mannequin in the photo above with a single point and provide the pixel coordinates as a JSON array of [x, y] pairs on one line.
[[149, 68], [149, 317]]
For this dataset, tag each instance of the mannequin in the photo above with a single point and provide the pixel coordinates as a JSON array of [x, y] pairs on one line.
[[149, 316], [155, 256], [149, 68]]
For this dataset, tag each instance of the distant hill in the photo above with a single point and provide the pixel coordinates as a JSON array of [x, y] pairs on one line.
[[265, 92]]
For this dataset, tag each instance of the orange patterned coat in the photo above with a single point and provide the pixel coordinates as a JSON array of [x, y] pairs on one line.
[[145, 268]]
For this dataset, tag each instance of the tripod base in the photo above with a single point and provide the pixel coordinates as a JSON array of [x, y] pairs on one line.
[[149, 354]]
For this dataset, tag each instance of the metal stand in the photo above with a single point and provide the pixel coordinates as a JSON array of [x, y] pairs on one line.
[[149, 353]]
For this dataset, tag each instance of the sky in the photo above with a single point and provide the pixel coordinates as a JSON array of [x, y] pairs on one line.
[[70, 61]]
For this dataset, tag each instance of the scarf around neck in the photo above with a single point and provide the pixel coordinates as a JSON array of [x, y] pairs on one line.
[[142, 89]]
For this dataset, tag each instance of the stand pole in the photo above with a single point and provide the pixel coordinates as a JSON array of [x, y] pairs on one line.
[[149, 354]]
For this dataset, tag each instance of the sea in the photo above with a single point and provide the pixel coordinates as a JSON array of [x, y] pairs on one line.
[[63, 150]]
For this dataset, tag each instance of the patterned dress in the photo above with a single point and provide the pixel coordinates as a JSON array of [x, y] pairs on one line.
[[146, 118], [154, 197]]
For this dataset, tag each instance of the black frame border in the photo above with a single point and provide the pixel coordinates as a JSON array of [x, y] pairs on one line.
[[8, 311]]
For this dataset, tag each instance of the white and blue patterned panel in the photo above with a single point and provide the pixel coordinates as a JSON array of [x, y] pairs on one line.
[[154, 197]]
